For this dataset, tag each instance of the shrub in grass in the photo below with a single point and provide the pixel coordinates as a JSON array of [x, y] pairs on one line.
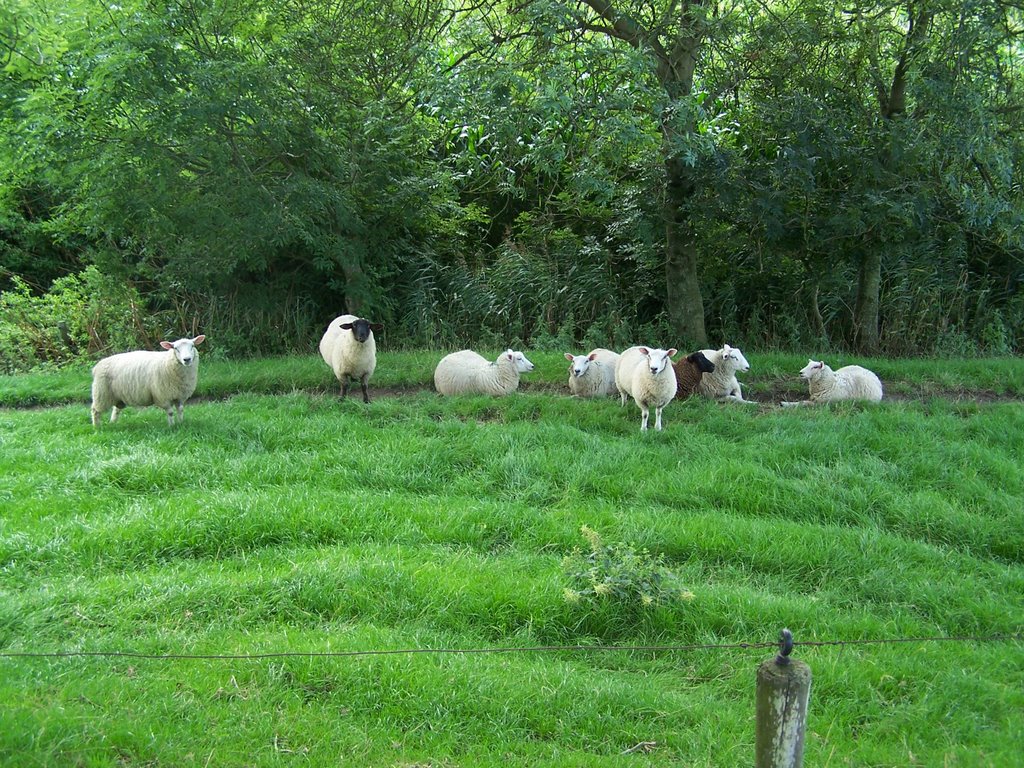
[[82, 316], [615, 587]]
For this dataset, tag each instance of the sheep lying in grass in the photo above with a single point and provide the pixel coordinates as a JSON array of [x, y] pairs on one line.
[[721, 384], [689, 372], [140, 378], [467, 373], [646, 375], [592, 375], [349, 349], [850, 382]]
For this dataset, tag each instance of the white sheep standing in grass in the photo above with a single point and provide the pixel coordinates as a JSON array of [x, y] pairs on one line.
[[348, 347], [140, 378], [721, 383], [646, 375], [467, 373], [851, 382], [592, 375]]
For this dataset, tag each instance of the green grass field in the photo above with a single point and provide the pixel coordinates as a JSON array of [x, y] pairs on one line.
[[280, 520]]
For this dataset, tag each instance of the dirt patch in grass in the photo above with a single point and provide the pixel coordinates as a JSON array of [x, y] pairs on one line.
[[764, 395]]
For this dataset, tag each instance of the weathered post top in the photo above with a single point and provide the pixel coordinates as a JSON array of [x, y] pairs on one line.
[[783, 692], [785, 647]]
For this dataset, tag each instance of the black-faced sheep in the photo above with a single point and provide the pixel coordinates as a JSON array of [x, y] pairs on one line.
[[348, 347], [689, 372]]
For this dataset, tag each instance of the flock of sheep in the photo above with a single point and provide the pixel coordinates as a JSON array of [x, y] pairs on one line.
[[167, 379]]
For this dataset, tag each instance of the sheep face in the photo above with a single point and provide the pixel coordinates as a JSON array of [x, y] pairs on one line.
[[735, 358], [580, 363], [184, 349], [361, 329], [658, 359], [812, 369], [703, 364], [522, 364]]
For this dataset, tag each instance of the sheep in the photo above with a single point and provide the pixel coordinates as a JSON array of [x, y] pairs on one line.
[[467, 373], [721, 384], [647, 375], [850, 382], [165, 379], [592, 375], [688, 373], [350, 351]]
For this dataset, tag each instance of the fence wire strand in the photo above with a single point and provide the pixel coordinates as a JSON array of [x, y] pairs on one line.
[[505, 649]]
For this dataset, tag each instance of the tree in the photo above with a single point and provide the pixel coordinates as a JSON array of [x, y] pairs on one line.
[[669, 36]]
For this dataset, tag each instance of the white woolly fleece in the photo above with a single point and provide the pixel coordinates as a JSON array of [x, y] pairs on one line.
[[467, 373]]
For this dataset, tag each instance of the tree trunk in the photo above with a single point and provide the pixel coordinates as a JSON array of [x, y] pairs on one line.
[[675, 55], [892, 106], [682, 297], [865, 316], [355, 288], [816, 318]]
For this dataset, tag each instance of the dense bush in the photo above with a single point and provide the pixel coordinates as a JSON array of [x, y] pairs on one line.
[[82, 317]]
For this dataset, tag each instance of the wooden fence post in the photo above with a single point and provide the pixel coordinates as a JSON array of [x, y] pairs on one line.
[[783, 690]]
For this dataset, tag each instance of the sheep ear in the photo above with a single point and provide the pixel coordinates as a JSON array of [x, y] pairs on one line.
[[346, 326], [820, 365], [166, 345], [510, 354], [199, 339], [644, 350], [568, 357], [672, 352], [376, 326], [592, 356]]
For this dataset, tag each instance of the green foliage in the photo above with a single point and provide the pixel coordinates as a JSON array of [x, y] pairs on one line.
[[82, 316], [256, 168], [619, 574]]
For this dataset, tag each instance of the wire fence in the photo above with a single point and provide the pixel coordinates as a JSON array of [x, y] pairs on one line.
[[1013, 637]]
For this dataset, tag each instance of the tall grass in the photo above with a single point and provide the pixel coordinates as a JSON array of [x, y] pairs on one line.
[[292, 522]]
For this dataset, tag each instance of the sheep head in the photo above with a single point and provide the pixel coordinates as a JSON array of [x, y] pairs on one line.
[[813, 368], [361, 328], [657, 359], [519, 359], [184, 349], [701, 362], [580, 363], [733, 358]]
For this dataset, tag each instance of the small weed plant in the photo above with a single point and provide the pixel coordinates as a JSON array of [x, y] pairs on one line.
[[618, 573]]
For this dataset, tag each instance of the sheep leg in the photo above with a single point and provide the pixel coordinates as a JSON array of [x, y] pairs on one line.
[[113, 414], [624, 397], [646, 413], [181, 411], [733, 399], [95, 416], [657, 419], [344, 388], [170, 414], [366, 394]]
